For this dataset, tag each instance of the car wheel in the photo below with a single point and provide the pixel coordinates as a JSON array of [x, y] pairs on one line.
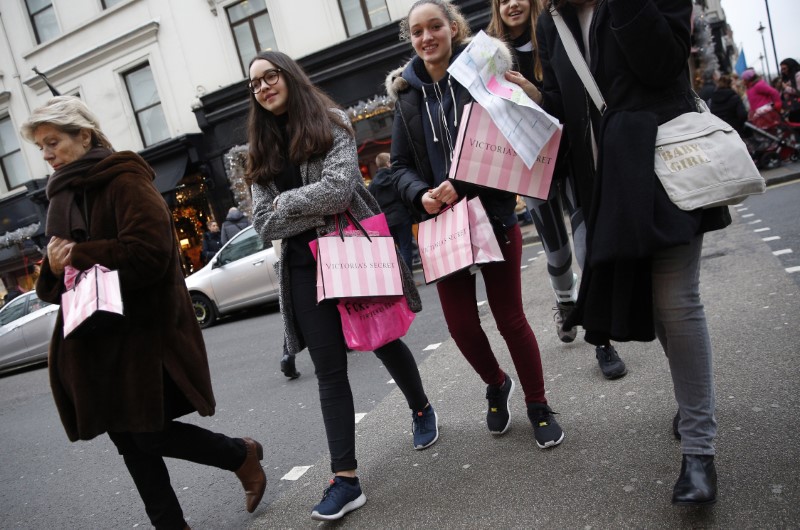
[[203, 310]]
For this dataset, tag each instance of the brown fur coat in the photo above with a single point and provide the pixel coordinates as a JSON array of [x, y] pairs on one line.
[[115, 382]]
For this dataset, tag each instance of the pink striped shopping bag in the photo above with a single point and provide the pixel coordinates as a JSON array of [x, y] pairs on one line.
[[457, 238], [92, 303], [357, 266], [483, 156]]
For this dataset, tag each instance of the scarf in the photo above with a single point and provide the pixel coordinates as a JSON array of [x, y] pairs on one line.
[[65, 219]]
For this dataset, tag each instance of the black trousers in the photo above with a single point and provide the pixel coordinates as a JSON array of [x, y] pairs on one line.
[[321, 327], [144, 452]]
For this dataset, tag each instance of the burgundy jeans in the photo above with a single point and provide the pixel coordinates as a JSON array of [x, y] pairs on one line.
[[504, 291]]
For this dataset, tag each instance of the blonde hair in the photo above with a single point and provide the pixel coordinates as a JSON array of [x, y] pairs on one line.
[[382, 160], [68, 114], [497, 28], [451, 13]]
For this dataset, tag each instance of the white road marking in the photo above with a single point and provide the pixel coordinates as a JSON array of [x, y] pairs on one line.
[[390, 382], [754, 222], [360, 416], [770, 238], [296, 472], [432, 346], [782, 251], [793, 269], [762, 229], [747, 215], [481, 303]]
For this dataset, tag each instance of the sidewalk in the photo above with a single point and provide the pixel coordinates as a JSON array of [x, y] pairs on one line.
[[619, 461]]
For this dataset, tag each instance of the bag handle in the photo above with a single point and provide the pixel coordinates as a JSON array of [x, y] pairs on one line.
[[578, 61], [347, 215]]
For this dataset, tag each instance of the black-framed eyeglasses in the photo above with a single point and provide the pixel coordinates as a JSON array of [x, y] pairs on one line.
[[270, 77]]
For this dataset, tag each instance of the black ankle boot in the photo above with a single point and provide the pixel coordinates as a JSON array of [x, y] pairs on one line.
[[288, 368], [697, 483]]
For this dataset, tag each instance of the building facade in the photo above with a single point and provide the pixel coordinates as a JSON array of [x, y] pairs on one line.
[[148, 69]]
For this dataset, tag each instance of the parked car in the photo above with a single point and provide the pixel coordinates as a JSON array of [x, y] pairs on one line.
[[26, 326], [241, 275]]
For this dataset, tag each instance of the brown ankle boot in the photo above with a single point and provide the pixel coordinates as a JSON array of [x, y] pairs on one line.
[[251, 474]]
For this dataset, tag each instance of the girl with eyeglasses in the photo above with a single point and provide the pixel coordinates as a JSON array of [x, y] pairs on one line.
[[303, 170]]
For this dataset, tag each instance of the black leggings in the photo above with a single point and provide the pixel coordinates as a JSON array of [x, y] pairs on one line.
[[321, 328], [144, 454]]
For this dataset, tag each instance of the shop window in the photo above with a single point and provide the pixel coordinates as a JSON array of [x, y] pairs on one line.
[[110, 3], [12, 165], [43, 19], [362, 15], [252, 30], [146, 105]]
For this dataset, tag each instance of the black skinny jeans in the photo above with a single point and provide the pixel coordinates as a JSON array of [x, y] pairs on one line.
[[321, 327], [144, 454]]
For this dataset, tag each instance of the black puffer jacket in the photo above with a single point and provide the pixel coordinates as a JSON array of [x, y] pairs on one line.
[[728, 106], [418, 161]]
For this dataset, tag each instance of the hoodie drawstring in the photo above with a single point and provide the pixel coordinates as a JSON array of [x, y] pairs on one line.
[[430, 118], [455, 105]]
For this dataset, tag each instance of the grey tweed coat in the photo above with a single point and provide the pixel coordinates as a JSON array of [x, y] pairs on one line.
[[331, 184]]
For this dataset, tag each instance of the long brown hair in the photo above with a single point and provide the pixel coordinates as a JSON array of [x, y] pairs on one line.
[[309, 113], [497, 28]]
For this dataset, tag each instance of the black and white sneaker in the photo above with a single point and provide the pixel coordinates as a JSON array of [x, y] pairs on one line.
[[498, 417], [546, 429]]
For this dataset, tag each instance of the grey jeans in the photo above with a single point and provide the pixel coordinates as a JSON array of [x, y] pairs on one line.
[[682, 330]]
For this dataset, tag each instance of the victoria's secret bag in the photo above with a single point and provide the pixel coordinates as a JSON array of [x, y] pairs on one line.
[[700, 160], [92, 303]]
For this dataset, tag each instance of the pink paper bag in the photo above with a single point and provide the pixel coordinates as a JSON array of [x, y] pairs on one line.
[[92, 303], [457, 238], [358, 266], [483, 156]]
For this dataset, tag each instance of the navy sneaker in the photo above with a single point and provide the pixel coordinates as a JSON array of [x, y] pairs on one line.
[[546, 429], [498, 417], [425, 426], [339, 498]]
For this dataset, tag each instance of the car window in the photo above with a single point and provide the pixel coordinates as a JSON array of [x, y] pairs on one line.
[[13, 310], [35, 304], [244, 245]]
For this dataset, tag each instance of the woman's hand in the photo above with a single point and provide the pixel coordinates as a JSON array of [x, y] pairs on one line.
[[59, 254], [439, 197], [528, 87]]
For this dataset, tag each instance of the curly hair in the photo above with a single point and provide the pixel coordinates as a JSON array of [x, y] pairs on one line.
[[451, 12]]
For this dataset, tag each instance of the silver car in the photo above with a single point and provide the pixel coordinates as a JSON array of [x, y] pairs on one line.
[[241, 275], [26, 326]]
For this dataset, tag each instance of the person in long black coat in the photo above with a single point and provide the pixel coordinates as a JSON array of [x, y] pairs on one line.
[[641, 278], [728, 105]]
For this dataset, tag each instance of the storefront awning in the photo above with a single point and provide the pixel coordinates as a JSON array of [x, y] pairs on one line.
[[170, 171]]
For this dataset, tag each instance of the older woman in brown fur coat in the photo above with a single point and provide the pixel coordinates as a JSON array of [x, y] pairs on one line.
[[134, 381]]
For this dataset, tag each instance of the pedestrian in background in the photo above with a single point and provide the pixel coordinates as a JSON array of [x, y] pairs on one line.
[[761, 96], [790, 79], [212, 241], [515, 21], [303, 169], [727, 105], [428, 107], [234, 223], [135, 381], [384, 189], [644, 283]]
